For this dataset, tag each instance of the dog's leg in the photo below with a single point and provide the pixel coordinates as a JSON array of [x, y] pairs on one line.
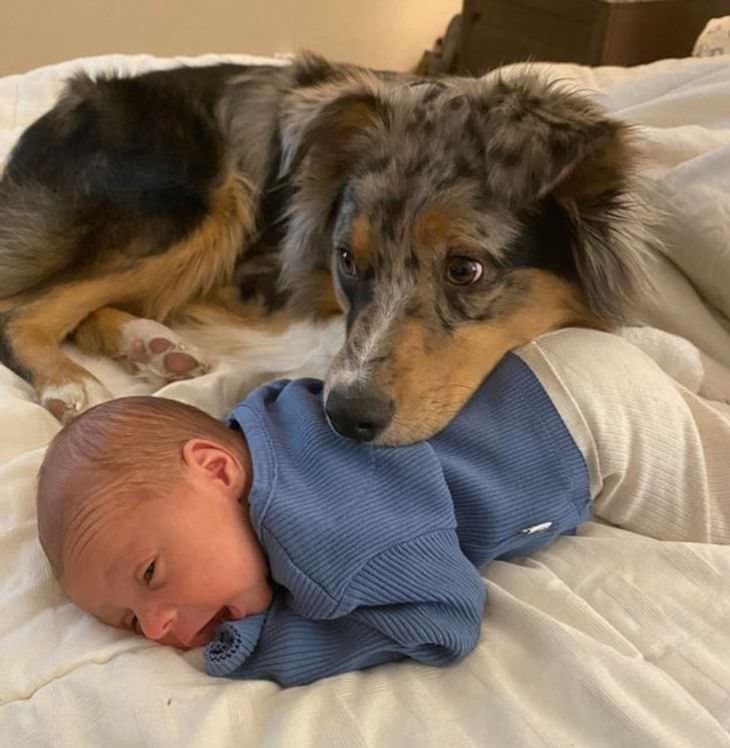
[[32, 334], [33, 331], [33, 326], [143, 346]]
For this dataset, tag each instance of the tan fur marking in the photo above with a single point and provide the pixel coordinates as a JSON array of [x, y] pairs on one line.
[[357, 116], [551, 304], [36, 348], [101, 332], [434, 228], [441, 228], [601, 171], [207, 258], [431, 374], [156, 287], [38, 328], [360, 235], [325, 303]]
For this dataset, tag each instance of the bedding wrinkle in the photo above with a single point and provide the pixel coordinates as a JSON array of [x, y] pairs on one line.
[[72, 669]]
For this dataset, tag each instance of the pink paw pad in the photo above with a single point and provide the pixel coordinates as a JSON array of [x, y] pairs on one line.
[[157, 352]]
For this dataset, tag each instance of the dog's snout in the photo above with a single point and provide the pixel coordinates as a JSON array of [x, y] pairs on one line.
[[358, 414]]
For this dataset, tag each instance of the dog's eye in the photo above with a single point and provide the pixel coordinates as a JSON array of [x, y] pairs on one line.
[[346, 261], [463, 271]]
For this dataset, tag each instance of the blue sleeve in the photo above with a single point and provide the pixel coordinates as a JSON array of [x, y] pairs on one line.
[[421, 600]]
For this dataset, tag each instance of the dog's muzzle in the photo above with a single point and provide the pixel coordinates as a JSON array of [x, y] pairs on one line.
[[357, 413]]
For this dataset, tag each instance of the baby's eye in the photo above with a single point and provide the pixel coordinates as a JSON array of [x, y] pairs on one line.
[[149, 572]]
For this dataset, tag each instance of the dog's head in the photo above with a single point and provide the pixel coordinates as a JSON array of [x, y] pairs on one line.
[[459, 219]]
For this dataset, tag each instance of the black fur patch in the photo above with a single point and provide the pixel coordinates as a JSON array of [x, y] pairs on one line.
[[134, 158], [545, 242]]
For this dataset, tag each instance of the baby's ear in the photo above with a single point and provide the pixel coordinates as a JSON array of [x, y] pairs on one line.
[[210, 460]]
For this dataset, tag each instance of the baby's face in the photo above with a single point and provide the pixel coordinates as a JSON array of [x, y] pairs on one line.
[[171, 568]]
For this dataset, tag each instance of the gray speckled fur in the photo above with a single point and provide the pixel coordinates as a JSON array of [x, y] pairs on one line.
[[496, 149], [318, 145]]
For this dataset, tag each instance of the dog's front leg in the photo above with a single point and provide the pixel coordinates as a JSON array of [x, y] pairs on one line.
[[31, 336]]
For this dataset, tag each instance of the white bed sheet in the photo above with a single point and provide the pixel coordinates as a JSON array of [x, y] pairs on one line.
[[603, 639]]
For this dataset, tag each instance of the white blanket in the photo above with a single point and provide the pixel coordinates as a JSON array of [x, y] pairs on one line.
[[603, 639]]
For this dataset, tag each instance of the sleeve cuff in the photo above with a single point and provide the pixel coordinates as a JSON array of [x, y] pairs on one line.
[[233, 644]]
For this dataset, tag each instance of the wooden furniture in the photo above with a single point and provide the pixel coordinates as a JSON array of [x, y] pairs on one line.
[[592, 32]]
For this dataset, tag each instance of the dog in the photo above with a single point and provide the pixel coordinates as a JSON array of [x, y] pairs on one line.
[[450, 220]]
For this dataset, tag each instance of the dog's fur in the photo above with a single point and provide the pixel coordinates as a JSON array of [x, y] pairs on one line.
[[451, 219]]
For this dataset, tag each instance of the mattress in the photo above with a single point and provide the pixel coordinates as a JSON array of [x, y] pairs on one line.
[[605, 638]]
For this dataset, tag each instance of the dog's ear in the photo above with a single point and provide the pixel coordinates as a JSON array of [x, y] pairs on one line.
[[324, 138], [541, 138], [543, 142], [330, 135]]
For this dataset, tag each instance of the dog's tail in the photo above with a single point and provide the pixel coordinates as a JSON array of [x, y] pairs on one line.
[[38, 236]]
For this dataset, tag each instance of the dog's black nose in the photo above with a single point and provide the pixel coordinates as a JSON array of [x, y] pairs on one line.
[[358, 414]]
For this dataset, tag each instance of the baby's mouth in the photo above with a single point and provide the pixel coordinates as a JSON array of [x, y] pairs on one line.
[[207, 632]]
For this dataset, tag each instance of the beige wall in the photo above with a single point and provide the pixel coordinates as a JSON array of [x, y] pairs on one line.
[[381, 33]]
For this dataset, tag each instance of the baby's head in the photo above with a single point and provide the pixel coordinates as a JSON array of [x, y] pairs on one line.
[[143, 516]]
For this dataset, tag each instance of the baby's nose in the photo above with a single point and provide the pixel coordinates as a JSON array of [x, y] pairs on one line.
[[157, 622]]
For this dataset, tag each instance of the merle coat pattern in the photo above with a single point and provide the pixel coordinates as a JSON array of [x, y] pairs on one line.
[[451, 220]]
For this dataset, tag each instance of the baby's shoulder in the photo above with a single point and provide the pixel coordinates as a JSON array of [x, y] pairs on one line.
[[330, 514]]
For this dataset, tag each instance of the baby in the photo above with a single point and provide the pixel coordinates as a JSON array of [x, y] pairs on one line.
[[294, 554]]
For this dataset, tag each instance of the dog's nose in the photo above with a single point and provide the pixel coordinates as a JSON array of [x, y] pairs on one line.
[[358, 414]]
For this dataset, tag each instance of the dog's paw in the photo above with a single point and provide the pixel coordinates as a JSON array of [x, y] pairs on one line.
[[67, 400], [156, 353]]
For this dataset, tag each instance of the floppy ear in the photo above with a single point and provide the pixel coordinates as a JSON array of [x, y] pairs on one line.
[[323, 141], [331, 135], [543, 142], [540, 137]]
